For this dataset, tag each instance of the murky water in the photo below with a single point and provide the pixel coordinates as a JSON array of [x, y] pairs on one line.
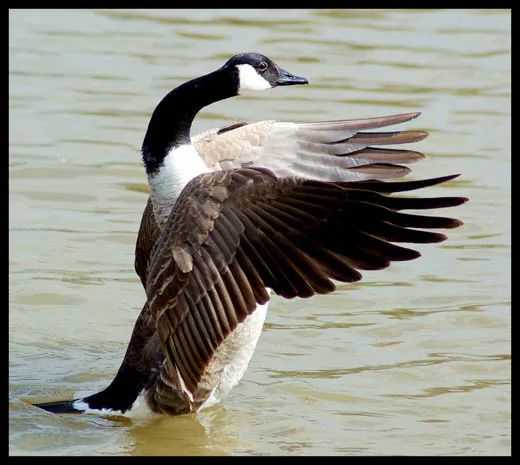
[[415, 359]]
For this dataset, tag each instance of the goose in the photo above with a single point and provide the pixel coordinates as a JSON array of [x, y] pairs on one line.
[[230, 230]]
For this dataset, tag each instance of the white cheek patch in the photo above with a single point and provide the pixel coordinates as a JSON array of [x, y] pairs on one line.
[[250, 79]]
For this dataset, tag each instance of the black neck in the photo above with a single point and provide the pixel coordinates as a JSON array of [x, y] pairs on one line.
[[171, 120]]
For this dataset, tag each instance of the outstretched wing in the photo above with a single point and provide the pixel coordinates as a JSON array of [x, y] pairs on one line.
[[328, 150], [232, 234]]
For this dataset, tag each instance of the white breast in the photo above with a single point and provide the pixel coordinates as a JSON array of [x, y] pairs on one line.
[[180, 166], [230, 361]]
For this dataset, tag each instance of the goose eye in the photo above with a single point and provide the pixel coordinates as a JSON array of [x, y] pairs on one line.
[[262, 66]]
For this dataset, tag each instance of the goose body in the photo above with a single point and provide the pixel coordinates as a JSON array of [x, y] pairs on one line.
[[237, 213]]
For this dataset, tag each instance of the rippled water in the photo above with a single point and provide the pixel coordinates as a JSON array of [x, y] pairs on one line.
[[415, 359]]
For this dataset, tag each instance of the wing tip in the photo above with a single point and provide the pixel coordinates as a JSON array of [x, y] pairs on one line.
[[413, 254], [421, 135], [440, 237], [373, 154], [457, 223], [370, 122], [448, 177], [382, 170]]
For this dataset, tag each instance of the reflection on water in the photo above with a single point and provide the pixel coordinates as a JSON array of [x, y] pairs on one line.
[[412, 360]]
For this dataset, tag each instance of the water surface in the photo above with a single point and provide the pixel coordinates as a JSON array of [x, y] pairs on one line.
[[415, 359]]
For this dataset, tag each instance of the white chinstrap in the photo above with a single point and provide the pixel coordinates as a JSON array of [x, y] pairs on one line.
[[249, 79]]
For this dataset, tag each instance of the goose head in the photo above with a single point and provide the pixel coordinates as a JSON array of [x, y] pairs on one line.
[[254, 71], [171, 121]]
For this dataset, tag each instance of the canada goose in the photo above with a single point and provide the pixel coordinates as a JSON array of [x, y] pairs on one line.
[[228, 237]]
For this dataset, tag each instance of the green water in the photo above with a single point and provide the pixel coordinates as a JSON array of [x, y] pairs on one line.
[[415, 359]]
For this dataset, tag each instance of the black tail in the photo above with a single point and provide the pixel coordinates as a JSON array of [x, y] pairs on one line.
[[61, 406], [119, 396]]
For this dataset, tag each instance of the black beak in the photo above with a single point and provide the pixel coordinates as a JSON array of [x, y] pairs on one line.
[[287, 79]]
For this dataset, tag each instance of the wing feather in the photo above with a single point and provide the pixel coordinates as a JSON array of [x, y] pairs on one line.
[[247, 230], [326, 150]]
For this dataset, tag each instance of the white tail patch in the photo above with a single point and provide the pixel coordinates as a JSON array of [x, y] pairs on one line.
[[84, 407], [80, 405], [138, 410]]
